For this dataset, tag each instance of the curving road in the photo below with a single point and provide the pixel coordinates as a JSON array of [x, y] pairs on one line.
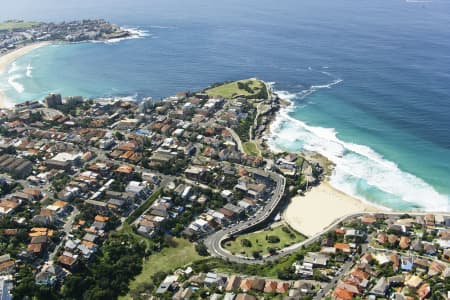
[[214, 242]]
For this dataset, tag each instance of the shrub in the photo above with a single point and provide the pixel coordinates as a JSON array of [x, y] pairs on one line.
[[273, 239], [246, 243]]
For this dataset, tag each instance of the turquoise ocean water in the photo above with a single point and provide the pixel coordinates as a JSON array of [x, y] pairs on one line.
[[369, 80]]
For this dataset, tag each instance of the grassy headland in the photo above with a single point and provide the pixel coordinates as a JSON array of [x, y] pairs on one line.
[[11, 25], [248, 88]]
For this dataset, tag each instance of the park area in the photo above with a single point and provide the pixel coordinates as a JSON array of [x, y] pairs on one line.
[[264, 242], [11, 25]]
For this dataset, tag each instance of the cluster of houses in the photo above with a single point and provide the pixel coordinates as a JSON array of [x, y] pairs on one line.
[[183, 284], [19, 32], [92, 236], [405, 258]]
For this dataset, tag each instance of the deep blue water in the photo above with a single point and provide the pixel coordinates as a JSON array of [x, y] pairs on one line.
[[386, 121]]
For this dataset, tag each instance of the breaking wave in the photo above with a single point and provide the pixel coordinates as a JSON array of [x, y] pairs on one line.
[[360, 171], [16, 85], [136, 33]]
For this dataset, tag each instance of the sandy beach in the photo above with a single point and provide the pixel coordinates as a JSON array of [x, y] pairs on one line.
[[8, 58], [321, 206]]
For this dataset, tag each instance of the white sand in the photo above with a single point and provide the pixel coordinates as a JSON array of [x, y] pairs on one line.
[[320, 207], [8, 58]]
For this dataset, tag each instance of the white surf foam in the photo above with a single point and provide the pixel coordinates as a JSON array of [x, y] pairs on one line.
[[135, 33], [314, 88], [353, 161], [13, 68], [16, 85], [29, 71]]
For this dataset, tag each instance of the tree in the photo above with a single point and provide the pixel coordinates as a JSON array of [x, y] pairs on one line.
[[246, 243], [201, 249], [273, 239], [119, 135], [271, 250], [256, 254]]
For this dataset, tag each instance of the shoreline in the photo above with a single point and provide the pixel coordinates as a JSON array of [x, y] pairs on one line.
[[306, 214], [10, 57], [13, 55]]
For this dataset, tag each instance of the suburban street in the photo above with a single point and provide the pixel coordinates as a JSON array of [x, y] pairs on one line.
[[214, 241]]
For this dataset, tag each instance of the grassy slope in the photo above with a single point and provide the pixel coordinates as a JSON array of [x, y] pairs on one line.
[[251, 148], [16, 25], [167, 260], [259, 243], [231, 89]]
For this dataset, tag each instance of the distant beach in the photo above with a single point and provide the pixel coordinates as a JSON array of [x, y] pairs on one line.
[[320, 206], [7, 59]]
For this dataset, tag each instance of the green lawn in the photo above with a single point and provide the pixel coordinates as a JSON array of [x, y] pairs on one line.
[[251, 148], [17, 25], [167, 260], [249, 88], [260, 243]]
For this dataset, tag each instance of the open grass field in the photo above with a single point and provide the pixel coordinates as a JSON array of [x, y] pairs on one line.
[[167, 260], [259, 241], [249, 88], [251, 148], [10, 25]]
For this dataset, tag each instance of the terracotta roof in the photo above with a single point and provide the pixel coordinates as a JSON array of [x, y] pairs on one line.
[[101, 218], [10, 231], [88, 244], [233, 283], [6, 265], [340, 231], [282, 287], [35, 248], [382, 238], [341, 294], [246, 284], [66, 260], [360, 274], [270, 287], [423, 291], [392, 238], [414, 281], [404, 242], [59, 203], [343, 247], [125, 169], [368, 219]]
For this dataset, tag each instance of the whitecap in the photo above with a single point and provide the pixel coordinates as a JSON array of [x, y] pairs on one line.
[[29, 71], [312, 89]]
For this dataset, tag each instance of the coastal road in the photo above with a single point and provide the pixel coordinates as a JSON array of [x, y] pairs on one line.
[[214, 242]]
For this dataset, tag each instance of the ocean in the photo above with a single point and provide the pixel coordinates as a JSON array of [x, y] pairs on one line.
[[368, 80]]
